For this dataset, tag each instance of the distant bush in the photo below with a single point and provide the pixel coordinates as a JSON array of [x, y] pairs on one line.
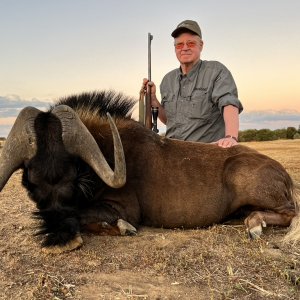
[[296, 136], [269, 135], [257, 135], [265, 135], [280, 133], [247, 135], [290, 132]]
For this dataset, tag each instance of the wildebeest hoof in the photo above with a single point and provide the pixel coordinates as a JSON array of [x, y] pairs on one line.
[[255, 232], [126, 228], [72, 245]]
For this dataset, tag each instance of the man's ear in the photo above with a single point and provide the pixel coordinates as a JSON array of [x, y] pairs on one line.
[[201, 44]]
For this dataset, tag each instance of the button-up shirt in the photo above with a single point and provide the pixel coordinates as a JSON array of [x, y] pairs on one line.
[[194, 102]]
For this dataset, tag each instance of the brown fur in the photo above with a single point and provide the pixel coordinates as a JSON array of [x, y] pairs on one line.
[[169, 183], [188, 184]]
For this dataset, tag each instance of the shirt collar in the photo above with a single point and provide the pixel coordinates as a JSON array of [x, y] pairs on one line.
[[191, 75]]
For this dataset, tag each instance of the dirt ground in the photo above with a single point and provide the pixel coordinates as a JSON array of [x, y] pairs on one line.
[[218, 262]]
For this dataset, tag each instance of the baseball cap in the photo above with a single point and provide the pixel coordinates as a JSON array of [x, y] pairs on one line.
[[187, 26]]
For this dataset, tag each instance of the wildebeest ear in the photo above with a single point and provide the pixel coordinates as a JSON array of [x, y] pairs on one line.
[[79, 141], [20, 144]]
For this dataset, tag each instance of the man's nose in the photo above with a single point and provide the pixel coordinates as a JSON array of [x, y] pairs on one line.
[[185, 47]]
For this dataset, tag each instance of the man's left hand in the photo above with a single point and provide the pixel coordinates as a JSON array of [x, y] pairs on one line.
[[227, 142]]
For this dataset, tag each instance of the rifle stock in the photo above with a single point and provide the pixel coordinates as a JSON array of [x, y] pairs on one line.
[[142, 107]]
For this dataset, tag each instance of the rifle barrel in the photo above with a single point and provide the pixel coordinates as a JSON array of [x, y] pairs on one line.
[[148, 118]]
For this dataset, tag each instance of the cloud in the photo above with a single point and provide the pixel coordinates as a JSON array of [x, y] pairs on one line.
[[11, 105], [269, 119]]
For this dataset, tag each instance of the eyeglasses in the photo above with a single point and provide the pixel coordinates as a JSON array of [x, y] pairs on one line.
[[189, 44]]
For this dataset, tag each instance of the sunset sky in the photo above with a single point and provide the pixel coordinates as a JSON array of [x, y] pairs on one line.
[[55, 48]]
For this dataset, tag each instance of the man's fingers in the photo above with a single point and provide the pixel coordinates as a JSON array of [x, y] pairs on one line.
[[226, 142]]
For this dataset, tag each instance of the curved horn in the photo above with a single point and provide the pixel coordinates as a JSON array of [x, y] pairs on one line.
[[79, 141], [19, 145]]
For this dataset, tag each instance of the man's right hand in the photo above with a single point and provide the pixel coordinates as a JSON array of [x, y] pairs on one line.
[[150, 86]]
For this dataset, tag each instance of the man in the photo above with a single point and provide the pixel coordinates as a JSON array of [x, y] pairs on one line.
[[199, 99]]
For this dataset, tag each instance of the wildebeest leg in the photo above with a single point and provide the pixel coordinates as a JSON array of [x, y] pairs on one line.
[[256, 181], [105, 220], [126, 228], [120, 227], [259, 219]]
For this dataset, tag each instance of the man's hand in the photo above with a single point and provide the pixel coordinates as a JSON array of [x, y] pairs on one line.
[[154, 102], [227, 142], [149, 85]]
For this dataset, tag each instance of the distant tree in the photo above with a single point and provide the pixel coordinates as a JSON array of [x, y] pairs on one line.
[[290, 132], [268, 135], [280, 133], [265, 135], [296, 136], [247, 135], [2, 140]]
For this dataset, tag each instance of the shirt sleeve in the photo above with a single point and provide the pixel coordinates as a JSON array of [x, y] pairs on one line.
[[225, 91]]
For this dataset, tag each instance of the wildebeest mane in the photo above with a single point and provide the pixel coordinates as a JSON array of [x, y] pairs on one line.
[[100, 103]]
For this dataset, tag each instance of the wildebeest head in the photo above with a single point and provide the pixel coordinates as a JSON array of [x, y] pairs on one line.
[[47, 144]]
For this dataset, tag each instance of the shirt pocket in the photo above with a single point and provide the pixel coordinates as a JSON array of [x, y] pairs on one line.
[[169, 104], [198, 105]]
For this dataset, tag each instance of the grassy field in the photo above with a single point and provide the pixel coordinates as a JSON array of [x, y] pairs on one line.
[[287, 152], [218, 262]]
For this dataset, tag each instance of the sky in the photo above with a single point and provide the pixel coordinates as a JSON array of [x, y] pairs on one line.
[[51, 49]]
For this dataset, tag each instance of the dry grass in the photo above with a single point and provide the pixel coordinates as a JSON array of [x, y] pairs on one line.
[[286, 152], [219, 262]]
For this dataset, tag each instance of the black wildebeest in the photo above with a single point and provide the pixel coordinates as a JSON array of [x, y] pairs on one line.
[[87, 164]]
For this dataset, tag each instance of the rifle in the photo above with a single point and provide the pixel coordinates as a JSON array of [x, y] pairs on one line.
[[146, 117]]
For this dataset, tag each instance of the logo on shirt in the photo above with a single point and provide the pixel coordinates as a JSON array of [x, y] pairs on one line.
[[203, 89]]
